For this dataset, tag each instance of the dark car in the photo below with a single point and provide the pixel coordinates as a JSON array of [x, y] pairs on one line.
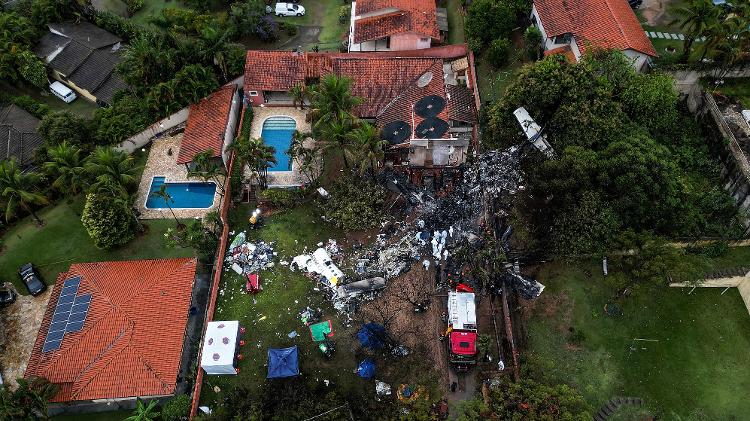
[[7, 296], [32, 280]]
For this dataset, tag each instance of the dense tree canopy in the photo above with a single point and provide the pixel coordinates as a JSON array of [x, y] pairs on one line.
[[109, 222]]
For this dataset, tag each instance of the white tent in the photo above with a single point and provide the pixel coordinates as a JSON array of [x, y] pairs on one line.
[[219, 347]]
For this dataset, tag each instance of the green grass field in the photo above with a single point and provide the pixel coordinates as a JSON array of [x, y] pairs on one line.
[[63, 240], [738, 89], [455, 22], [154, 8], [325, 14], [693, 359]]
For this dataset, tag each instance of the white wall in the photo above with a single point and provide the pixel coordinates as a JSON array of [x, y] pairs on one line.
[[141, 139], [234, 118]]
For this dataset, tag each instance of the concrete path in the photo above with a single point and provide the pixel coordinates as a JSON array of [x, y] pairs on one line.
[[664, 35]]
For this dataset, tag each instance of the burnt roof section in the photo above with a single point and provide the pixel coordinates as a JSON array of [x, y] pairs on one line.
[[18, 135], [461, 104]]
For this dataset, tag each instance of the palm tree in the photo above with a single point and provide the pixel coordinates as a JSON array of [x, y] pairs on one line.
[[332, 101], [256, 155], [369, 146], [298, 95], [212, 47], [29, 401], [164, 195], [144, 412], [66, 166], [205, 168], [335, 135], [305, 157], [113, 167], [20, 189], [696, 19]]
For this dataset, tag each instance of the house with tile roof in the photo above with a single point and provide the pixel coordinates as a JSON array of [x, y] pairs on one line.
[[83, 56], [393, 25], [211, 125], [19, 138], [571, 27], [423, 101], [114, 331]]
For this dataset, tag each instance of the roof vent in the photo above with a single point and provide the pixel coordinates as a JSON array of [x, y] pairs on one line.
[[424, 80]]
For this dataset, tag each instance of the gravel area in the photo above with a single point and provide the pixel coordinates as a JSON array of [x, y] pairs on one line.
[[20, 325]]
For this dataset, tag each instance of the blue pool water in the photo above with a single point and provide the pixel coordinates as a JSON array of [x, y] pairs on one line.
[[184, 195], [277, 132]]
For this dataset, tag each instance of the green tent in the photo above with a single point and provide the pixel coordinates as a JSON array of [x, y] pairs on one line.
[[321, 331]]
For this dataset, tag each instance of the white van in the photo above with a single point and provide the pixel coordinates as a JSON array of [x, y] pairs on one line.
[[63, 92], [289, 9]]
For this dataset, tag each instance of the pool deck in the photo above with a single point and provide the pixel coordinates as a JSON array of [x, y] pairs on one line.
[[282, 178], [161, 163]]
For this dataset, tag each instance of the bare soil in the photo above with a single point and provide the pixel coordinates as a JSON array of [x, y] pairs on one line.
[[654, 12], [20, 323]]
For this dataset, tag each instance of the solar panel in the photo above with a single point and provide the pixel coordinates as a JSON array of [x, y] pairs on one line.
[[69, 316]]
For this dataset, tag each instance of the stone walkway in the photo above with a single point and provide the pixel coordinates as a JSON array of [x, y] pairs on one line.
[[162, 162], [664, 35]]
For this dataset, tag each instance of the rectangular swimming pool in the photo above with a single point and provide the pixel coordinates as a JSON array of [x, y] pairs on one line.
[[277, 132], [184, 195]]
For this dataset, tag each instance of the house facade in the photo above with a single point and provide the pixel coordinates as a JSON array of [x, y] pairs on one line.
[[423, 101], [393, 25], [571, 27]]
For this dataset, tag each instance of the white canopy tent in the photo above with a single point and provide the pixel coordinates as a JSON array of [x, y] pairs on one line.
[[219, 346]]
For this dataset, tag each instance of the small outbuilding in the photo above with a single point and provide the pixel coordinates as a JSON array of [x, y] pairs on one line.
[[220, 347]]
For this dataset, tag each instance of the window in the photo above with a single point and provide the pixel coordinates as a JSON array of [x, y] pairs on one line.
[[253, 93], [562, 39], [424, 40]]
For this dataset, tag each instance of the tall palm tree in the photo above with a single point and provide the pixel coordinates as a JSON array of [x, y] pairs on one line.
[[256, 155], [109, 166], [163, 194], [205, 168], [213, 47], [336, 135], [66, 166], [696, 19], [369, 147], [305, 157], [20, 189], [332, 101], [298, 94], [144, 412]]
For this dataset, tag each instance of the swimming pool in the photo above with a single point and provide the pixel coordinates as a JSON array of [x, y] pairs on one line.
[[277, 132], [184, 195]]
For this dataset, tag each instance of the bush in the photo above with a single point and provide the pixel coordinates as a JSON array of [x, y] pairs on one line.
[[490, 19], [267, 29], [475, 44], [37, 109], [280, 198], [118, 25], [533, 40], [176, 408], [497, 54], [64, 126], [134, 6], [289, 28], [345, 13], [109, 222], [355, 203]]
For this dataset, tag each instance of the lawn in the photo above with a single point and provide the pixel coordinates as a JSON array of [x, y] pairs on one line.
[[63, 240], [692, 359], [455, 22], [736, 88], [153, 8], [80, 106], [324, 14]]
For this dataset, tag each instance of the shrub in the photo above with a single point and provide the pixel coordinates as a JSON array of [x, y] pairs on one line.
[[497, 54], [64, 126], [109, 222], [118, 25], [490, 19], [280, 198], [289, 28], [533, 40], [37, 109], [354, 204], [176, 408], [134, 6], [475, 44], [267, 29], [345, 13]]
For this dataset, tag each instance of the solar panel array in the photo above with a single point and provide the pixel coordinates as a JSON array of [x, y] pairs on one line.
[[70, 314]]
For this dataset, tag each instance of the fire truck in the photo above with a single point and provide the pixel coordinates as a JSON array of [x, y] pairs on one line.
[[462, 330]]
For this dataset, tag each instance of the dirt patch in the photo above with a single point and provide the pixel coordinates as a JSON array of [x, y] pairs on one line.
[[550, 306], [654, 12], [20, 325]]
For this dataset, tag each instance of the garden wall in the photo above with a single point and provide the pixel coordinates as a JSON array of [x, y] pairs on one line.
[[143, 138], [742, 283]]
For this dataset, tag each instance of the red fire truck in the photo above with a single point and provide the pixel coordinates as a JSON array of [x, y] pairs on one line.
[[462, 330]]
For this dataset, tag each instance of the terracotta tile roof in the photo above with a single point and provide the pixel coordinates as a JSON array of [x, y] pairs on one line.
[[461, 104], [398, 16], [274, 70], [607, 24], [564, 50], [206, 125], [131, 341]]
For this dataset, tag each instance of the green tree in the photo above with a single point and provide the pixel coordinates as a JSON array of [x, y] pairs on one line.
[[487, 20], [147, 60], [20, 188], [163, 194], [298, 94], [245, 16], [529, 400], [588, 227], [696, 19], [651, 101], [213, 48], [32, 69], [176, 409], [498, 52], [65, 166], [355, 203], [332, 102], [110, 222], [533, 41], [111, 169], [127, 116], [144, 412], [17, 35], [204, 166], [63, 126], [305, 158], [336, 136], [368, 147], [29, 401], [43, 12], [255, 155]]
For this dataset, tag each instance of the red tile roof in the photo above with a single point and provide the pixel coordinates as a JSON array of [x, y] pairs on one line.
[[565, 50], [206, 125], [398, 16], [609, 24], [131, 341]]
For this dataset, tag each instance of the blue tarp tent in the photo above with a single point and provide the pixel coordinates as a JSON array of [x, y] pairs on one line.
[[366, 369], [283, 362], [371, 335]]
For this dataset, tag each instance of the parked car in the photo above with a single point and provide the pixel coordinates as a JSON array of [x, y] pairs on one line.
[[32, 280], [61, 91], [289, 9], [7, 296]]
